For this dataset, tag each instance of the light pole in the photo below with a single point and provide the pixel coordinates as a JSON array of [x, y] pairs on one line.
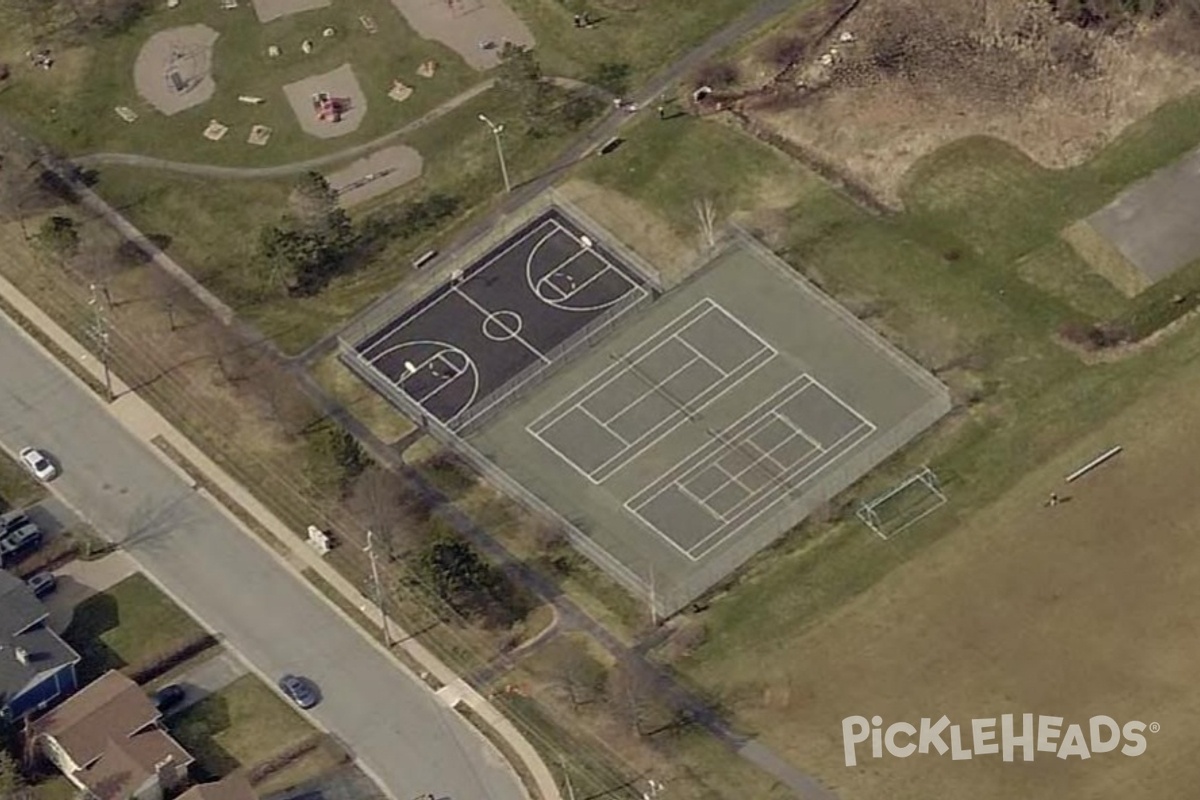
[[496, 131], [99, 332], [370, 551]]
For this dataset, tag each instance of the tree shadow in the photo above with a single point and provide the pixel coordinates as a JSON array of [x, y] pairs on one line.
[[197, 728], [90, 620]]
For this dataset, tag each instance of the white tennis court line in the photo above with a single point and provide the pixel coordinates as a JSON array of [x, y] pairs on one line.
[[774, 491], [613, 372], [781, 488], [477, 270], [655, 387], [743, 427], [604, 425], [677, 417]]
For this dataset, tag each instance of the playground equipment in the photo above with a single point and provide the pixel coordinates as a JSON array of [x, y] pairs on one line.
[[327, 108]]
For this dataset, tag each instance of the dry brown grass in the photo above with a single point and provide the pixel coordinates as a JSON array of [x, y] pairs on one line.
[[1085, 608], [364, 403], [922, 73], [641, 229]]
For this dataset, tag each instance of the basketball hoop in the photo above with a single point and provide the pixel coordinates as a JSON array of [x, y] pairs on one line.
[[409, 368], [586, 242]]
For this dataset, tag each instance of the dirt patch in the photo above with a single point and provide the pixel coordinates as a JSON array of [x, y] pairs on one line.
[[376, 175], [1080, 609], [342, 89], [919, 74], [475, 29], [173, 70], [639, 228]]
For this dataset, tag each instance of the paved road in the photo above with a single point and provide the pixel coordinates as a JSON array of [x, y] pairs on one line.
[[402, 734]]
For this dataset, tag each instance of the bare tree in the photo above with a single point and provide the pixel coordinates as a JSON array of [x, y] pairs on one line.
[[579, 674], [707, 214], [384, 500], [630, 692], [286, 403]]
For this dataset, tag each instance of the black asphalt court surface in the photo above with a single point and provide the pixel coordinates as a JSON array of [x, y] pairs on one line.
[[505, 315]]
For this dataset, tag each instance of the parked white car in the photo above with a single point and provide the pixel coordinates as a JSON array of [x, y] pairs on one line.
[[36, 462]]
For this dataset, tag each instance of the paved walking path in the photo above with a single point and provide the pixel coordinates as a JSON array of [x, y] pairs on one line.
[[282, 170], [143, 421]]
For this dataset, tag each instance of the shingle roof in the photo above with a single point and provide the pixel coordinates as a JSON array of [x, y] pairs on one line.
[[45, 652], [233, 787], [109, 730]]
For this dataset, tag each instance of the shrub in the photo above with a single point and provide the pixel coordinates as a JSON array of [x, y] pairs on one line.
[[150, 668]]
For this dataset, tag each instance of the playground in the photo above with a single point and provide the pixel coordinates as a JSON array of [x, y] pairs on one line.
[[173, 71], [154, 89]]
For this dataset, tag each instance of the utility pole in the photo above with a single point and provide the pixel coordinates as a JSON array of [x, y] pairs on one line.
[[496, 131], [567, 779], [99, 334], [370, 551], [653, 600]]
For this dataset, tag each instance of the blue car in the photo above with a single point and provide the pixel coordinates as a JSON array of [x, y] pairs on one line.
[[300, 691]]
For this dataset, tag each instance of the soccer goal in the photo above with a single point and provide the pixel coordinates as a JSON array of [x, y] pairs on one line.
[[913, 499]]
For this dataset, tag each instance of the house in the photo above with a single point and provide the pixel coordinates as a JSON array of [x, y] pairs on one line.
[[107, 741], [234, 787], [37, 668]]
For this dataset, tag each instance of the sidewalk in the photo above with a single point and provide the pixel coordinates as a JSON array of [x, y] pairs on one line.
[[146, 423]]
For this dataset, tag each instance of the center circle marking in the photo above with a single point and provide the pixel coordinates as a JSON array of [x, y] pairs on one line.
[[502, 326]]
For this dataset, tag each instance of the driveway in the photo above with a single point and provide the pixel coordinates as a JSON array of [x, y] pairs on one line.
[[402, 735], [78, 580]]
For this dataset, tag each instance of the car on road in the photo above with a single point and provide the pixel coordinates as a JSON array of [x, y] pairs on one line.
[[300, 691], [36, 462], [42, 583], [168, 696]]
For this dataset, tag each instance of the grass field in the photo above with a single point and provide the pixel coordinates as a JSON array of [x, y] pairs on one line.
[[974, 282], [72, 104], [126, 625], [239, 726], [641, 35]]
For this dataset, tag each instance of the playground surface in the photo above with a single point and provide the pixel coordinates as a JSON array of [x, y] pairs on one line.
[[475, 29], [173, 70], [268, 10], [342, 86], [377, 174]]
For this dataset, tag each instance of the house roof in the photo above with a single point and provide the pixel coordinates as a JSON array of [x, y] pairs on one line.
[[45, 653], [111, 716], [233, 787], [19, 609], [126, 764]]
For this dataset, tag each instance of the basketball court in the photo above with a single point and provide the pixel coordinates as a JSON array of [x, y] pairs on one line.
[[502, 320]]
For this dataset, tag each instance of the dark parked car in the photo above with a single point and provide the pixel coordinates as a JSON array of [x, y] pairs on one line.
[[42, 584], [168, 696], [17, 544], [13, 521], [300, 691]]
